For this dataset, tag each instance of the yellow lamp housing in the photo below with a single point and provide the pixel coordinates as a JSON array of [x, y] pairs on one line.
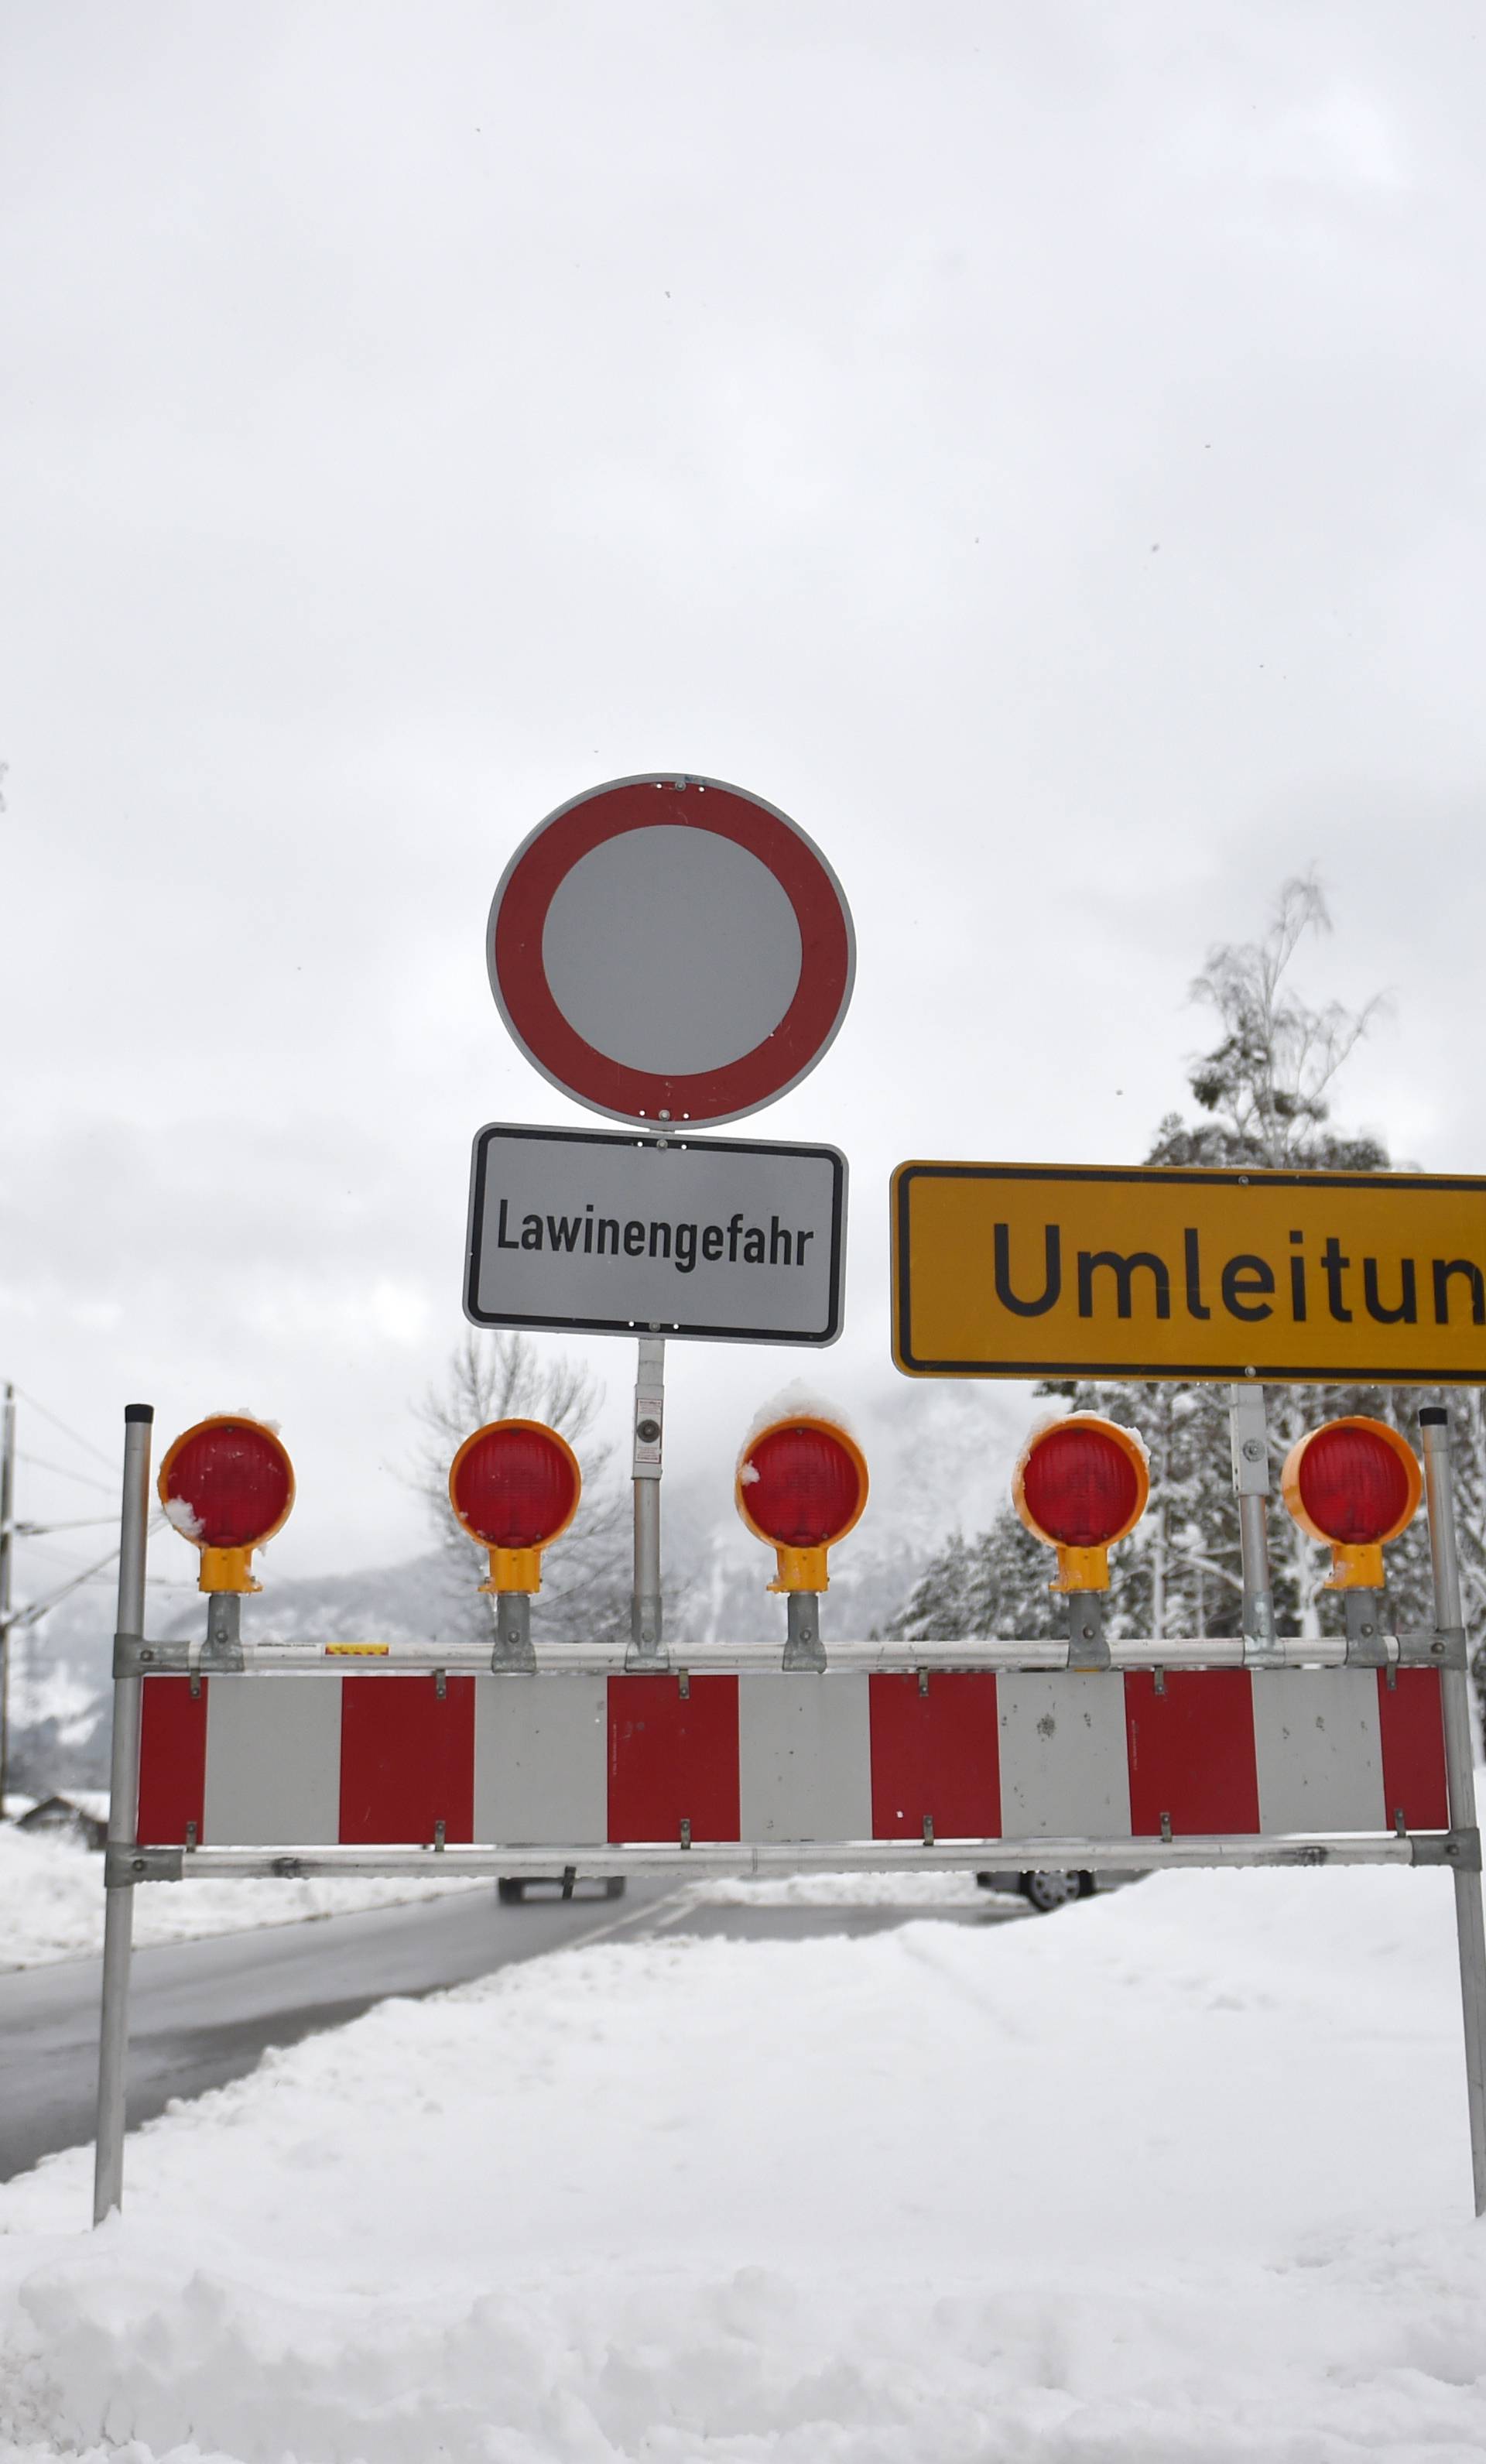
[[1355, 1484], [227, 1485], [1080, 1485], [514, 1486], [801, 1486]]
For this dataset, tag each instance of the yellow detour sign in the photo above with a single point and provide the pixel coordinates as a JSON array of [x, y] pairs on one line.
[[1042, 1270]]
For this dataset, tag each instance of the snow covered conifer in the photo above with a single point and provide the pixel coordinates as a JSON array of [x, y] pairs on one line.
[[1263, 1099]]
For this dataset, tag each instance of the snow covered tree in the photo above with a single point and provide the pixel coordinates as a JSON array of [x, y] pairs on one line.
[[1264, 1091], [1263, 1099], [1264, 1083], [996, 1584]]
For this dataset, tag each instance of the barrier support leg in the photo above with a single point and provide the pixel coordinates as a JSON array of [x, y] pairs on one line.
[[1460, 1769], [124, 1799]]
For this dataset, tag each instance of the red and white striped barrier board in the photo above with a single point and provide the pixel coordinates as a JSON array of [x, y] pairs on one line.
[[557, 1760]]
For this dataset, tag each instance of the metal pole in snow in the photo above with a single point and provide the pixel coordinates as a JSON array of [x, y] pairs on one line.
[[1461, 1770], [644, 1628], [123, 1801]]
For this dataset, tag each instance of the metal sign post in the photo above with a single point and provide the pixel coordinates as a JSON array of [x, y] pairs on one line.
[[122, 1813], [1460, 1773], [1251, 1481], [646, 1635]]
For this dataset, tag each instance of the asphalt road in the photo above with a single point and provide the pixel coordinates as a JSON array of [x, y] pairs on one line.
[[203, 2013]]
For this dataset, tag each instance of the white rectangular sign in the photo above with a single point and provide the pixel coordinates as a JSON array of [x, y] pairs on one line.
[[621, 1233]]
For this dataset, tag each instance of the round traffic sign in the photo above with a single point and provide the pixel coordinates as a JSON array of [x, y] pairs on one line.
[[670, 949]]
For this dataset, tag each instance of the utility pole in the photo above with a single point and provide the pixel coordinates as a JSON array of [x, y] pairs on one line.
[[7, 1547]]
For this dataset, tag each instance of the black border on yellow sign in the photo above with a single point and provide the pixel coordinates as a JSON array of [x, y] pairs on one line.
[[1206, 1372]]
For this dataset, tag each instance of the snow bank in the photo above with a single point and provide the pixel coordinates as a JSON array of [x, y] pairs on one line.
[[1179, 2176], [51, 1901], [921, 1892]]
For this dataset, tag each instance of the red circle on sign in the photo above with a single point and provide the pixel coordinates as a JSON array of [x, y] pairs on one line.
[[1354, 1484], [779, 1049], [1080, 1486], [235, 1479], [800, 1485], [514, 1484]]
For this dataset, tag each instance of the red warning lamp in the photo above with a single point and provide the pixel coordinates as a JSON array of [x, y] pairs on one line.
[[1082, 1484], [801, 1486], [515, 1488], [227, 1485], [1354, 1482]]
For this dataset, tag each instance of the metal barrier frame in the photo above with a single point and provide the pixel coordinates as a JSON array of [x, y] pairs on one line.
[[137, 1659]]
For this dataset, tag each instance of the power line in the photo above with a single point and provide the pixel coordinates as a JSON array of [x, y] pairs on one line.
[[75, 1435], [39, 1609], [58, 1556], [33, 1533], [35, 1610], [77, 1523], [37, 1463]]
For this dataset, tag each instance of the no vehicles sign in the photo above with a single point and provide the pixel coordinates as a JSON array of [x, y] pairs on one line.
[[1028, 1270], [671, 949], [619, 1234]]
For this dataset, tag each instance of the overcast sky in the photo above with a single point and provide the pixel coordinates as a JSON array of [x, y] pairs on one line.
[[1039, 446]]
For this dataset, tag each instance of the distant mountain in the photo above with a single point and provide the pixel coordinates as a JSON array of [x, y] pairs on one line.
[[61, 1687], [58, 1696]]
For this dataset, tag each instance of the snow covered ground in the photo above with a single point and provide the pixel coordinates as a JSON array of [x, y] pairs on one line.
[[1178, 2174], [925, 1892], [51, 1901]]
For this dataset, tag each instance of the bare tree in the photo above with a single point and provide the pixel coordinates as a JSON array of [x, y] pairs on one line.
[[1266, 1081], [586, 1577]]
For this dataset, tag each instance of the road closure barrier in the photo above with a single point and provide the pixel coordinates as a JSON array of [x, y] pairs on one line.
[[1085, 1749]]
